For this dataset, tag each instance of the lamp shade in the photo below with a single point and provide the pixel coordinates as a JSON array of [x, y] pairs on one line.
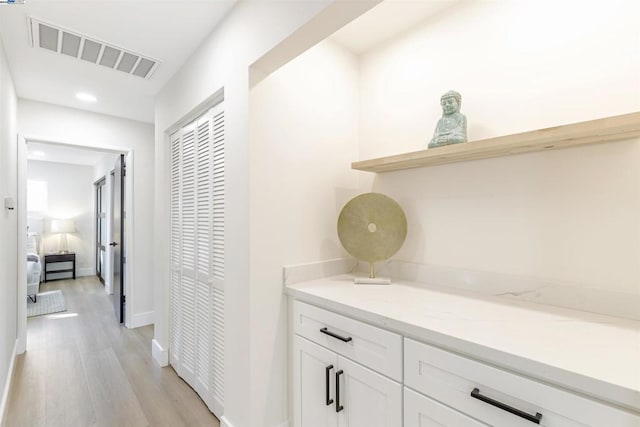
[[63, 226]]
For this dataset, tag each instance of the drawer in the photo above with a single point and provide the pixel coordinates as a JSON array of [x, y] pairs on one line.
[[450, 378], [51, 258], [420, 411], [373, 347]]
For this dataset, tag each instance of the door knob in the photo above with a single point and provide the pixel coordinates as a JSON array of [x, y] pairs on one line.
[[113, 244]]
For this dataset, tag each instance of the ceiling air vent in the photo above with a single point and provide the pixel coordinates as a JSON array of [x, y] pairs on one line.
[[70, 43]]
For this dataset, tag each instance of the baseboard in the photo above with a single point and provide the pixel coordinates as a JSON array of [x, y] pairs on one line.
[[142, 319], [224, 422], [160, 355], [84, 272], [4, 404]]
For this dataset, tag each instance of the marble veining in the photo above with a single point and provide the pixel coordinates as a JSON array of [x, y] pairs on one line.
[[538, 290], [508, 286]]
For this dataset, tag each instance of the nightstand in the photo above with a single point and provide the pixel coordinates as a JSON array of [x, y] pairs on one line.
[[59, 258]]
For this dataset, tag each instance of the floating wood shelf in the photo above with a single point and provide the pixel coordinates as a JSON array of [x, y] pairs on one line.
[[591, 132]]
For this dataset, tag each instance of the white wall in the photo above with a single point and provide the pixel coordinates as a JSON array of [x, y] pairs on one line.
[[70, 196], [300, 180], [61, 124], [568, 216], [250, 31], [8, 226]]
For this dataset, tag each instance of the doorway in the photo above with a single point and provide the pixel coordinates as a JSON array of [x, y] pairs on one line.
[[97, 248]]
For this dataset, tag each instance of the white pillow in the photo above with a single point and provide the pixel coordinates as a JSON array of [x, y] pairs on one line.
[[32, 243]]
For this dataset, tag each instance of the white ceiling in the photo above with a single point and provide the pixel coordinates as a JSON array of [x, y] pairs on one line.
[[67, 154], [168, 31], [386, 20]]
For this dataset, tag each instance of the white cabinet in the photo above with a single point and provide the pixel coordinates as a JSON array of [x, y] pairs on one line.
[[368, 345], [314, 391], [351, 374], [367, 398], [500, 398], [330, 389], [420, 411]]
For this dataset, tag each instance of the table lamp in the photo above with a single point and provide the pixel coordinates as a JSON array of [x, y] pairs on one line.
[[63, 226]]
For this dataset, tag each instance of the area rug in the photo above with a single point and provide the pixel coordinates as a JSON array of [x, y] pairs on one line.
[[48, 302]]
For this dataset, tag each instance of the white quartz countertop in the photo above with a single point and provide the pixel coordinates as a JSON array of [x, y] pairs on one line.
[[592, 354]]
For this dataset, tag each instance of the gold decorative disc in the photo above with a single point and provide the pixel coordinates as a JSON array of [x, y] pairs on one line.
[[372, 227]]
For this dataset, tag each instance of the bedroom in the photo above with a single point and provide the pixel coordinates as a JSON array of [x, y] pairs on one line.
[[69, 220]]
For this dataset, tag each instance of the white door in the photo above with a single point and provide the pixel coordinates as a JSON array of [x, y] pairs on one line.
[[314, 370], [175, 281], [196, 330], [420, 411], [203, 280], [216, 348], [188, 256], [367, 398]]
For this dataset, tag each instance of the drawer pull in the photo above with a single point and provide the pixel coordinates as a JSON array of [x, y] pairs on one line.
[[339, 407], [327, 370], [533, 418], [331, 334]]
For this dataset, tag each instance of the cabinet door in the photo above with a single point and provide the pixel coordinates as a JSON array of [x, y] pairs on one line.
[[313, 365], [368, 398], [420, 411]]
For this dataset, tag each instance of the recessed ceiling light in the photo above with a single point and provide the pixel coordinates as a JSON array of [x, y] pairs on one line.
[[86, 97], [38, 153]]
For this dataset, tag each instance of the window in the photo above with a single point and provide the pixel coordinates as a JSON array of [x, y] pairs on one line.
[[37, 196]]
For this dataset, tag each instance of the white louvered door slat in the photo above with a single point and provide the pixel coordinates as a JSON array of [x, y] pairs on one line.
[[197, 192]]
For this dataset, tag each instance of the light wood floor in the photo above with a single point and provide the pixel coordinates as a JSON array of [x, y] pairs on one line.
[[82, 369]]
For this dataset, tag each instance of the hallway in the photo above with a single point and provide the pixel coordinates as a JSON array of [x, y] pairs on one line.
[[82, 369]]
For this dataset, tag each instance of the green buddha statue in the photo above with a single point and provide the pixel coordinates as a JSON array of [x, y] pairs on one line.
[[452, 127]]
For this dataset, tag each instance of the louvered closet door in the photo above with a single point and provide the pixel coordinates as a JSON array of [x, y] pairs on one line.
[[217, 258], [175, 249], [203, 258], [197, 256], [188, 239]]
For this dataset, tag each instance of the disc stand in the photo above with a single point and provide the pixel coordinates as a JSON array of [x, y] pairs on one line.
[[372, 279]]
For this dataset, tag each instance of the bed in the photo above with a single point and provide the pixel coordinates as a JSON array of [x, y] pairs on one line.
[[34, 267]]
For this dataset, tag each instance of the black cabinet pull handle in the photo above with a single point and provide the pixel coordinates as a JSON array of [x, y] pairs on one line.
[[334, 335], [327, 370], [475, 393], [339, 407]]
